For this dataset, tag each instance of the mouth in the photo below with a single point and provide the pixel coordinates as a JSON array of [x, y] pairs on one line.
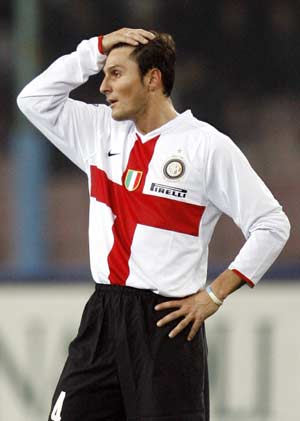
[[112, 102]]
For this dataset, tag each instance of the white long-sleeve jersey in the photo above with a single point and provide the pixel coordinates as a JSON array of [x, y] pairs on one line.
[[154, 199]]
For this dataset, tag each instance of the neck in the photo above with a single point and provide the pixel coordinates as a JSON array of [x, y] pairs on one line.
[[157, 114]]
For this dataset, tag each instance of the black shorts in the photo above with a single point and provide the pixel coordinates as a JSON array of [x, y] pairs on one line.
[[121, 366]]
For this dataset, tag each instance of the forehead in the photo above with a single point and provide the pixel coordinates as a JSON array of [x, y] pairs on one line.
[[120, 57]]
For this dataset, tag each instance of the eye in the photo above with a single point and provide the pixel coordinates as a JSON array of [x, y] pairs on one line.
[[116, 73]]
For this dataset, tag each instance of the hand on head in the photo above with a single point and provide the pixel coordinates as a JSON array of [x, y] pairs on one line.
[[129, 36]]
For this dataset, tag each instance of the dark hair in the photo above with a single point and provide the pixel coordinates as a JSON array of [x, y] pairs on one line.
[[158, 53]]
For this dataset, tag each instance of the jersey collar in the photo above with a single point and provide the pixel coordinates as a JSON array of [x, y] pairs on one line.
[[169, 126]]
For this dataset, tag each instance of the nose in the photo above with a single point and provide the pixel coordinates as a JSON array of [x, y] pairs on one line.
[[104, 87]]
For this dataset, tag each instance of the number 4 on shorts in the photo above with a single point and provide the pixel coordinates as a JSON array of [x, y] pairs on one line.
[[56, 413]]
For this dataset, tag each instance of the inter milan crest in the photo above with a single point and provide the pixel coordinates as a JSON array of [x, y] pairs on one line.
[[174, 168], [133, 179]]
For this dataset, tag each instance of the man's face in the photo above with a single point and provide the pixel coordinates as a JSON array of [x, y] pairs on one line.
[[122, 85]]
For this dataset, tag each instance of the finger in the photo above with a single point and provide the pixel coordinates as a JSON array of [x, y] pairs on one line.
[[196, 326], [139, 38], [146, 34], [167, 304], [128, 39], [138, 35], [135, 36], [179, 327], [171, 316]]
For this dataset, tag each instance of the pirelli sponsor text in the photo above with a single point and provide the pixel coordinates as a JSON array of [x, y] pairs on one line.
[[169, 190]]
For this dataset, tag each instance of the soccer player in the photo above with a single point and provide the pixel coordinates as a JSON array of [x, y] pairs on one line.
[[158, 183]]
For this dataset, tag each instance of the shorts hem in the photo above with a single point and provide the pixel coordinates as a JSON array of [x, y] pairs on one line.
[[186, 416]]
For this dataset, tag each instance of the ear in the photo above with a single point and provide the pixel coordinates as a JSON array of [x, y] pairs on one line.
[[153, 79]]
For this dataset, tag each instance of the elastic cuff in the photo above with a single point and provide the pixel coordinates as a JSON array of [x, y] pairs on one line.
[[100, 46], [249, 282]]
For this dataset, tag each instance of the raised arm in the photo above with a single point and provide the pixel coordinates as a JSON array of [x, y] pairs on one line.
[[77, 129], [70, 125]]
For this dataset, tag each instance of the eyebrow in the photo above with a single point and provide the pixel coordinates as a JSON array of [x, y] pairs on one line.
[[112, 67]]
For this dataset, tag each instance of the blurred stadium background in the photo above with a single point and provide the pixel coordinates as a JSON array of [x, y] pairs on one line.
[[238, 68]]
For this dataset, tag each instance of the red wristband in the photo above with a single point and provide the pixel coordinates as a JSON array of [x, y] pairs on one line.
[[100, 46]]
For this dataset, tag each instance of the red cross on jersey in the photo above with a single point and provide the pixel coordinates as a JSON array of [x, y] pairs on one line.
[[135, 207]]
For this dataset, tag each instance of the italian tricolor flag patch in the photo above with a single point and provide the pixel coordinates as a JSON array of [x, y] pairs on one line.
[[133, 179]]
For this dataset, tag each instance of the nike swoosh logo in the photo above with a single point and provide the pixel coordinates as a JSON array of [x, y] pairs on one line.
[[112, 154]]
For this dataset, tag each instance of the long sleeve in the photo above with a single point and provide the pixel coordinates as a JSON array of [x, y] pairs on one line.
[[236, 190], [72, 126]]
